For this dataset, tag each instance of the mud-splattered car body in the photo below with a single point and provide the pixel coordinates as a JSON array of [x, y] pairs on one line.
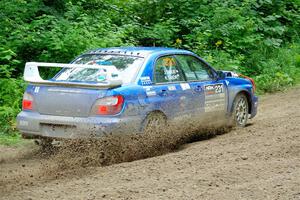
[[172, 82]]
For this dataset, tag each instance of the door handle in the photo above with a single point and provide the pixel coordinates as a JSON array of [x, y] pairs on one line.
[[163, 92]]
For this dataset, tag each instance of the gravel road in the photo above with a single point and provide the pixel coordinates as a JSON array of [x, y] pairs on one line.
[[260, 161]]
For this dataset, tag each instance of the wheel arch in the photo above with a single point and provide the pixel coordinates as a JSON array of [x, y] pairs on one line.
[[152, 112], [248, 96]]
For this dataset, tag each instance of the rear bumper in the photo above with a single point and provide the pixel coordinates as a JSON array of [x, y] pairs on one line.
[[254, 106], [32, 124]]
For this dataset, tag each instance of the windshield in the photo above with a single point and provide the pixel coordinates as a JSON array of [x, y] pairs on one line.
[[128, 66]]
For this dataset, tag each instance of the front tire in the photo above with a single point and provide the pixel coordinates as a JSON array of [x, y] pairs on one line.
[[240, 110]]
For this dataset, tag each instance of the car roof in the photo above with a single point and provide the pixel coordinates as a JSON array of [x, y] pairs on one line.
[[137, 51]]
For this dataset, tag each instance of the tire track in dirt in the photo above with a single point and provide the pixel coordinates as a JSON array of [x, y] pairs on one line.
[[261, 161]]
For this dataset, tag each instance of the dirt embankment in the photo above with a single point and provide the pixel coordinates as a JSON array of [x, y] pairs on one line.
[[261, 161]]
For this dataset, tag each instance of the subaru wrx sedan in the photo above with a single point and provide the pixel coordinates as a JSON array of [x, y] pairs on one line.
[[111, 90]]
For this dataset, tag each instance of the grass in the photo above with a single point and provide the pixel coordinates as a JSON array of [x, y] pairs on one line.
[[11, 139]]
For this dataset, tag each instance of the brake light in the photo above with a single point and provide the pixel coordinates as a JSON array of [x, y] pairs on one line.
[[27, 103], [109, 105]]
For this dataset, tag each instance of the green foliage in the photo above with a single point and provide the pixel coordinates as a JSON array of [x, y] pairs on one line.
[[254, 37], [279, 69], [11, 91], [7, 62], [11, 139]]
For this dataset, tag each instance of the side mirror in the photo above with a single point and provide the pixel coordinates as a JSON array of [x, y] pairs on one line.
[[221, 75], [225, 74]]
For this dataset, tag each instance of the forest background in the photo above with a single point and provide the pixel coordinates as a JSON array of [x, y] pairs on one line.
[[258, 38]]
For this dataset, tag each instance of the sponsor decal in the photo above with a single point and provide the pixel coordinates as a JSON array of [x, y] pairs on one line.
[[169, 69], [63, 90], [23, 123], [213, 89], [171, 74], [149, 91], [171, 87], [148, 87], [101, 75], [185, 86], [36, 89], [214, 98], [101, 78], [145, 80], [214, 105]]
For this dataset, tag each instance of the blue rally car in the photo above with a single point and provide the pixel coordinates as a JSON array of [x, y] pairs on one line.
[[111, 90]]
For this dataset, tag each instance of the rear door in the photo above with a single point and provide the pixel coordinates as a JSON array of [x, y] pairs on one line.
[[169, 86]]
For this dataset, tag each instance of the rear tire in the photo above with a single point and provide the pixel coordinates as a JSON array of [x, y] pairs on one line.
[[45, 144], [155, 123], [240, 110]]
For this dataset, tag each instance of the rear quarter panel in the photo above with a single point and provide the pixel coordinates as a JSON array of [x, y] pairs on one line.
[[134, 96]]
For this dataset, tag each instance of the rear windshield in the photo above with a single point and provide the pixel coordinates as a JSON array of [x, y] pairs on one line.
[[128, 67]]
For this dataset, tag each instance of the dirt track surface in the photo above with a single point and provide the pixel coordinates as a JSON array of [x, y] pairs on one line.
[[261, 161]]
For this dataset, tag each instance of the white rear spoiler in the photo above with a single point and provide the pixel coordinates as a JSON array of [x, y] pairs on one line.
[[32, 75]]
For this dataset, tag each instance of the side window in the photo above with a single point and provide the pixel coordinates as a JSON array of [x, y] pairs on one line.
[[167, 70], [202, 71], [194, 69], [184, 63]]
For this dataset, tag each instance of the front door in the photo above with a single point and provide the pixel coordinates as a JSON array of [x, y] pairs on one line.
[[209, 94]]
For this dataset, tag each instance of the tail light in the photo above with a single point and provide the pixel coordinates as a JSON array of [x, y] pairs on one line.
[[109, 105], [27, 103], [250, 79]]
